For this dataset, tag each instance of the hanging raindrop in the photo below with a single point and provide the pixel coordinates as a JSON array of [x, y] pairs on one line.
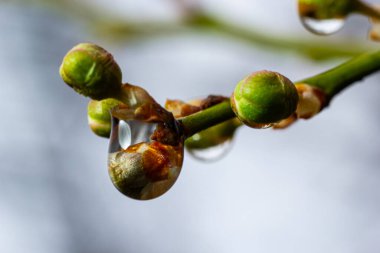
[[212, 153], [213, 143], [323, 17], [322, 26], [140, 167], [260, 125]]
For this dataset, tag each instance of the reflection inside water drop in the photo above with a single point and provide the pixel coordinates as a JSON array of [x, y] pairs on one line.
[[134, 131], [322, 26], [129, 132]]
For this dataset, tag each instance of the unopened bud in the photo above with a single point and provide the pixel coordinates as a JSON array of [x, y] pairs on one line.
[[91, 71], [264, 98]]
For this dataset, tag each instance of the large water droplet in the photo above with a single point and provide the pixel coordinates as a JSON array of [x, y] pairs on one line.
[[140, 167], [322, 26], [212, 153]]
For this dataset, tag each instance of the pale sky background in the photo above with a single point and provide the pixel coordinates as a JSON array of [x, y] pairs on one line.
[[311, 188]]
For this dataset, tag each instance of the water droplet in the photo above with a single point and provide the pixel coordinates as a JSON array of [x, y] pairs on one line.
[[213, 143], [322, 26], [139, 167], [212, 153], [260, 125]]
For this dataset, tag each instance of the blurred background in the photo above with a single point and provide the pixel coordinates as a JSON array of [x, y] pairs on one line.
[[311, 188]]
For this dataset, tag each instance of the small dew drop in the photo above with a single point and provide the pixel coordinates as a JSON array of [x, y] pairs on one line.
[[260, 125], [323, 26], [211, 154]]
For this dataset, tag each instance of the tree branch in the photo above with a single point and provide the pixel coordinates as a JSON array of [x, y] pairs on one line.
[[331, 82]]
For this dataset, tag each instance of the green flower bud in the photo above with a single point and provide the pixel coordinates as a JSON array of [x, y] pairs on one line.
[[99, 117], [91, 71], [264, 98], [326, 9]]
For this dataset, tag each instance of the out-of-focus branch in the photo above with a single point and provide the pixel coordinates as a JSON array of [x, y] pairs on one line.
[[198, 20]]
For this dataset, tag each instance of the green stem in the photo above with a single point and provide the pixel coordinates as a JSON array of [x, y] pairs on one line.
[[207, 118], [340, 77], [331, 82]]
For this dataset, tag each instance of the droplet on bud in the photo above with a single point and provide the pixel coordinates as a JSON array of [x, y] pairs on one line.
[[139, 166], [323, 26], [213, 143], [212, 153], [324, 17]]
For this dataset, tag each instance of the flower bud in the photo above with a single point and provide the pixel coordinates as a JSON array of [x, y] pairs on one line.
[[264, 98], [99, 117], [91, 71]]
